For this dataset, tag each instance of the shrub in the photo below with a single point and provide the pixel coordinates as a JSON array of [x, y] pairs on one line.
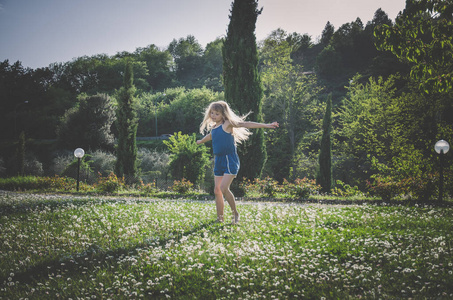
[[23, 183], [187, 159], [182, 186], [102, 162], [269, 187], [33, 166], [149, 188], [342, 189], [409, 174], [384, 187], [152, 160], [153, 164], [249, 188], [19, 183], [420, 187], [110, 183], [61, 162], [85, 172], [57, 183], [301, 188]]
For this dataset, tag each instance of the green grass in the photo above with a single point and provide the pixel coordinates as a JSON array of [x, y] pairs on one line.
[[81, 247]]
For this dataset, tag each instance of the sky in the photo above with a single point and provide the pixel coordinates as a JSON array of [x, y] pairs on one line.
[[41, 32]]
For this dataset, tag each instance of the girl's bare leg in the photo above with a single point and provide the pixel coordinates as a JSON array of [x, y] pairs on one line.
[[219, 198], [225, 189]]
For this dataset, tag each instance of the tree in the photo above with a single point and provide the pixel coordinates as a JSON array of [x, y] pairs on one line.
[[346, 41], [325, 153], [287, 94], [187, 54], [329, 63], [2, 167], [158, 64], [383, 63], [85, 171], [369, 125], [187, 160], [21, 154], [327, 34], [88, 125], [17, 85], [381, 18], [126, 164], [296, 42], [422, 36], [177, 110], [213, 60], [243, 89], [299, 42]]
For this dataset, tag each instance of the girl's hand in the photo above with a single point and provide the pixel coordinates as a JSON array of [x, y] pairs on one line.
[[273, 125], [199, 142]]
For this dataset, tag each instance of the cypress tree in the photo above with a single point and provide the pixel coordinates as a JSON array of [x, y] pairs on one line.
[[325, 153], [242, 82], [327, 34], [126, 163], [21, 155]]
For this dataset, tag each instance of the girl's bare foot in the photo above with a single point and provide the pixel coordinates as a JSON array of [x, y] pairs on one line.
[[220, 219], [236, 218]]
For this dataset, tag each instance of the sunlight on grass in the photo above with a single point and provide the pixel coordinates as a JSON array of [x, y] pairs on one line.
[[80, 247]]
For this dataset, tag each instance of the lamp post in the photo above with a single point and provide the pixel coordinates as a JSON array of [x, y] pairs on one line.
[[441, 148], [15, 116], [79, 153], [155, 112]]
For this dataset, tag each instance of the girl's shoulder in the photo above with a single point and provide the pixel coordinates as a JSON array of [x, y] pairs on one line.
[[227, 126]]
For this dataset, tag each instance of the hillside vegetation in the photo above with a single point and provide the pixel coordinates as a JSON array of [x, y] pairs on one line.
[[389, 81]]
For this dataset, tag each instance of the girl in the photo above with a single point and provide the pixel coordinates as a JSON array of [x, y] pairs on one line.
[[226, 130]]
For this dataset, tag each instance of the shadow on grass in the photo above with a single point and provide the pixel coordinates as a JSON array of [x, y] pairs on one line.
[[16, 203], [76, 262]]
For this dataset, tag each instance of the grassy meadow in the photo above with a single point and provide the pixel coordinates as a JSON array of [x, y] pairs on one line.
[[86, 247]]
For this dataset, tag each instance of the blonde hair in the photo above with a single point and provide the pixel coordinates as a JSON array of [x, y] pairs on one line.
[[240, 134]]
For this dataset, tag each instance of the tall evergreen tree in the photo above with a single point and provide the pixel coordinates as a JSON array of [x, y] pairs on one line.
[[126, 164], [243, 88], [88, 125], [327, 34], [21, 155], [325, 153]]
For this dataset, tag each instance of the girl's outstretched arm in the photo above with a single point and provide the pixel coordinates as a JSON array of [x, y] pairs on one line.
[[207, 138], [258, 125]]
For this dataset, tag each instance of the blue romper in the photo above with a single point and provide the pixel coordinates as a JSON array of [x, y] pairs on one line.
[[226, 159]]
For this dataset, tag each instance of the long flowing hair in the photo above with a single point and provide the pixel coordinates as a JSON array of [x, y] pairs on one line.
[[240, 134]]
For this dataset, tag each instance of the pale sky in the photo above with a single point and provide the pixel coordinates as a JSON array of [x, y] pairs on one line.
[[41, 32]]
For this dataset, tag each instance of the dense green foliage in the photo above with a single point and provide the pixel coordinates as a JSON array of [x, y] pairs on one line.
[[177, 109], [290, 98], [82, 169], [241, 78], [423, 35], [34, 183], [383, 127], [325, 153], [21, 155], [126, 164], [187, 160], [88, 124]]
